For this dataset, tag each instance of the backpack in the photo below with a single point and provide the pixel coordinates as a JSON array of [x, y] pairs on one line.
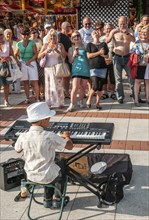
[[111, 191]]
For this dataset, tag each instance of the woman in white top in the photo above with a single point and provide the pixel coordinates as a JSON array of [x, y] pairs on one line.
[[54, 90], [5, 52]]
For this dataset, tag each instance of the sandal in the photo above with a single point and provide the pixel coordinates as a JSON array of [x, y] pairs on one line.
[[104, 96], [113, 96], [137, 104]]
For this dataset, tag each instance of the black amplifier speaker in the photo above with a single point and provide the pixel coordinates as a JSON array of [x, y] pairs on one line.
[[11, 173]]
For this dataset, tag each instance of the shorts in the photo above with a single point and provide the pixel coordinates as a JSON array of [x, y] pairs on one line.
[[3, 81], [141, 72], [29, 72]]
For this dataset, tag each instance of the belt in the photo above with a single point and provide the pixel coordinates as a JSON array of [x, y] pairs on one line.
[[122, 56]]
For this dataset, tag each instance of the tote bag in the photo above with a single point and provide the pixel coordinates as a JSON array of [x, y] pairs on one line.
[[61, 69]]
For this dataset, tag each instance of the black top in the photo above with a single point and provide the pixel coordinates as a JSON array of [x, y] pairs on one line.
[[65, 40], [99, 61]]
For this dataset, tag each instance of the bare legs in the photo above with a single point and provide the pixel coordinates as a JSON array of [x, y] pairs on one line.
[[66, 82], [35, 86], [147, 89], [77, 83], [6, 94], [137, 88]]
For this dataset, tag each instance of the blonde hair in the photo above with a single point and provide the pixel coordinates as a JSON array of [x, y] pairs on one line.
[[75, 32], [52, 32], [7, 31]]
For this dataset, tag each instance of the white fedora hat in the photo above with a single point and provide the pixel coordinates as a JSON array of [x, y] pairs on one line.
[[39, 111]]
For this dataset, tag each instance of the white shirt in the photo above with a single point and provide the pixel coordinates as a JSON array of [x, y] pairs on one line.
[[39, 153], [86, 35], [46, 39]]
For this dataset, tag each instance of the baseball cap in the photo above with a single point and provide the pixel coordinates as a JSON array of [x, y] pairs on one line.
[[47, 26]]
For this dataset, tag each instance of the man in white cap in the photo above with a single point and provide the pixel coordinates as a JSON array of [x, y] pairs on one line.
[[47, 28], [39, 148]]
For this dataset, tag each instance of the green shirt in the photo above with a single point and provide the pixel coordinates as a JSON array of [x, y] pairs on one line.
[[26, 53]]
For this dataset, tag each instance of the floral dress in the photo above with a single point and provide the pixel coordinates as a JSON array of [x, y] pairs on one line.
[[54, 89]]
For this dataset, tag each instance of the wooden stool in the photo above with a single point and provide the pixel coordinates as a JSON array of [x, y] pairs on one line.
[[31, 187]]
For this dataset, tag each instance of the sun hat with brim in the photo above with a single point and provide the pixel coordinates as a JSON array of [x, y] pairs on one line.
[[39, 111], [1, 31], [98, 167]]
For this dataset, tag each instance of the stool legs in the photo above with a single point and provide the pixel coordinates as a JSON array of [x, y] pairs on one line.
[[31, 191], [30, 202]]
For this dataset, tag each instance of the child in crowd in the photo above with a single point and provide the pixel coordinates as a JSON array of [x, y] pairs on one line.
[[39, 148]]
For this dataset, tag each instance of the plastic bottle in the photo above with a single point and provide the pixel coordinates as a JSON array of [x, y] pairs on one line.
[[23, 188]]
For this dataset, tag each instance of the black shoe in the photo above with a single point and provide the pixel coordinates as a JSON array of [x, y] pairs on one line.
[[104, 96], [120, 101], [141, 101], [98, 107]]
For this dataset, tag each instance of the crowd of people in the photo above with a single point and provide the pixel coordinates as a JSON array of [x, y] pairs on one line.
[[96, 55]]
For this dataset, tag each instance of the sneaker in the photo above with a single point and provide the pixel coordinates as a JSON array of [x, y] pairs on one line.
[[80, 104], [56, 204], [7, 104], [47, 203], [70, 108]]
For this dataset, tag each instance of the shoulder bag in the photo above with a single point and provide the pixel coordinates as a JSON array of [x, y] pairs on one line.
[[61, 69]]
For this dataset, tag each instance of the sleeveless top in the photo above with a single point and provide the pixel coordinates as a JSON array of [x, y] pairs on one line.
[[80, 65], [26, 53], [53, 58], [5, 51]]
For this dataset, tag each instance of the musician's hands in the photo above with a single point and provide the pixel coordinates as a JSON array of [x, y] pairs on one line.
[[66, 134], [69, 144]]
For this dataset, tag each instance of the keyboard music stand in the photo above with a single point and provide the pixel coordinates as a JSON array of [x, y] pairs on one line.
[[92, 187]]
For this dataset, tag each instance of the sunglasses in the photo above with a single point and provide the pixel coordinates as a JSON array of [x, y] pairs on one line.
[[34, 32], [25, 34], [42, 30], [99, 28], [77, 35], [87, 24]]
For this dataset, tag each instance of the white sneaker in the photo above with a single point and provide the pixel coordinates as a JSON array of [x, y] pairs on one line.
[[70, 108], [80, 104], [7, 104]]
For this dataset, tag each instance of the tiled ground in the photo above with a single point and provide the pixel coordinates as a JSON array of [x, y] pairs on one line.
[[131, 135]]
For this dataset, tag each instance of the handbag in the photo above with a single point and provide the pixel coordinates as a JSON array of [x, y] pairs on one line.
[[61, 69], [4, 69], [14, 70], [42, 62]]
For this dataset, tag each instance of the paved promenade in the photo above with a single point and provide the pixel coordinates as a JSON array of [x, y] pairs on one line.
[[131, 135]]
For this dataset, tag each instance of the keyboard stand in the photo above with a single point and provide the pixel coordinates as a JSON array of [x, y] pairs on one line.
[[92, 187]]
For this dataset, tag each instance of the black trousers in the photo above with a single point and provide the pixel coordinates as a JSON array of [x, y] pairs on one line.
[[58, 182]]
